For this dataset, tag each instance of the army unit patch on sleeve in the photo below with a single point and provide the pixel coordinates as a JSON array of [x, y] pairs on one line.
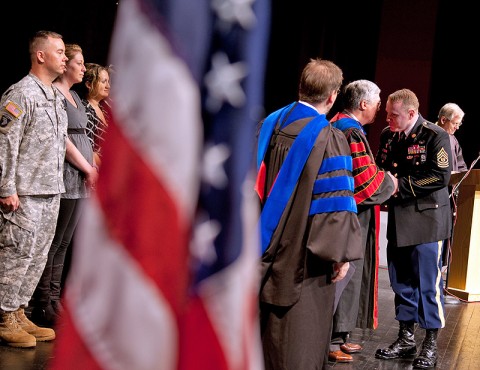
[[442, 158], [5, 123]]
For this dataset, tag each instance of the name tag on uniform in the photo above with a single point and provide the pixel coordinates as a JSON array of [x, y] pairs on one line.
[[43, 104]]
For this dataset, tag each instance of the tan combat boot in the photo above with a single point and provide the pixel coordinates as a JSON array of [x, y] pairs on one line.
[[12, 334], [41, 334]]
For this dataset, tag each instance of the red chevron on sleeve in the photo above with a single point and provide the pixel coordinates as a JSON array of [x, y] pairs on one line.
[[371, 188], [357, 148]]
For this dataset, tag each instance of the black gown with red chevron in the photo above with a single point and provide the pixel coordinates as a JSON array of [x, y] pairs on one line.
[[357, 306]]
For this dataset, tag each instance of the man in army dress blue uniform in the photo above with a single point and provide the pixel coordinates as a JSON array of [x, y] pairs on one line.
[[418, 153]]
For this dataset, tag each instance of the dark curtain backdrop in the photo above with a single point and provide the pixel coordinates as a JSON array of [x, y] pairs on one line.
[[87, 23], [347, 35], [422, 45], [455, 72]]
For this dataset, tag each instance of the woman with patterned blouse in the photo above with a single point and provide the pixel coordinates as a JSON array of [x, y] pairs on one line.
[[97, 84]]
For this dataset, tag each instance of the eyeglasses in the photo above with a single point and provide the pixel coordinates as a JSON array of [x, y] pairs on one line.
[[458, 124]]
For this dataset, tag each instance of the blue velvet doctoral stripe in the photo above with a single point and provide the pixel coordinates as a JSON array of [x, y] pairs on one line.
[[337, 183], [333, 184], [336, 163], [268, 126], [287, 178], [301, 111], [344, 124], [266, 131], [333, 204]]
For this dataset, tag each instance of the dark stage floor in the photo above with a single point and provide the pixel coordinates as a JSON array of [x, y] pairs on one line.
[[458, 342]]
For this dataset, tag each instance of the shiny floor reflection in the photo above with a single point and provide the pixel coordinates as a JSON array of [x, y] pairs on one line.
[[458, 342]]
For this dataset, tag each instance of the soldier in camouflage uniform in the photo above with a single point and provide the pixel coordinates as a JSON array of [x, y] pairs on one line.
[[33, 141]]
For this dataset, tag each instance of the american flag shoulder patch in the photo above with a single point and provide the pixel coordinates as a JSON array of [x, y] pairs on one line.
[[13, 109]]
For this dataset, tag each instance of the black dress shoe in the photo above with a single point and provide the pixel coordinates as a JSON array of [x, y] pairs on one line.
[[44, 316], [395, 351], [422, 362], [427, 358], [57, 307], [404, 346]]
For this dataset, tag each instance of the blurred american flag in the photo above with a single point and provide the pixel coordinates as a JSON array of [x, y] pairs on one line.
[[164, 272]]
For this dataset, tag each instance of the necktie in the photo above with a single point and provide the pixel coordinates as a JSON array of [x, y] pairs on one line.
[[401, 136]]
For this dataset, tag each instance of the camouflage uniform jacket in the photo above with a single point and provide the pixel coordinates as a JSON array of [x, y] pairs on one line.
[[33, 130]]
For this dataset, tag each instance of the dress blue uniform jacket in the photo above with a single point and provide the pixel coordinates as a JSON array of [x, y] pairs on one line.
[[420, 212]]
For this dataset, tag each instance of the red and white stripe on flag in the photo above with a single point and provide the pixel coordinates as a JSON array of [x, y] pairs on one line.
[[128, 282], [127, 300]]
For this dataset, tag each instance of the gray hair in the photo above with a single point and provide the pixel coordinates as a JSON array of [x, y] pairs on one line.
[[450, 110], [359, 90]]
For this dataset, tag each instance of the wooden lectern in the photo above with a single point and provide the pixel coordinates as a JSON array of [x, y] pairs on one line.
[[464, 271]]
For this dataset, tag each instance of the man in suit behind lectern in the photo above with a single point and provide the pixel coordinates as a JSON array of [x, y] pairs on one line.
[[450, 118]]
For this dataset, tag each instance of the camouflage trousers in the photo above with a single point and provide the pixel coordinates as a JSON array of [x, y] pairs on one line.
[[25, 239]]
